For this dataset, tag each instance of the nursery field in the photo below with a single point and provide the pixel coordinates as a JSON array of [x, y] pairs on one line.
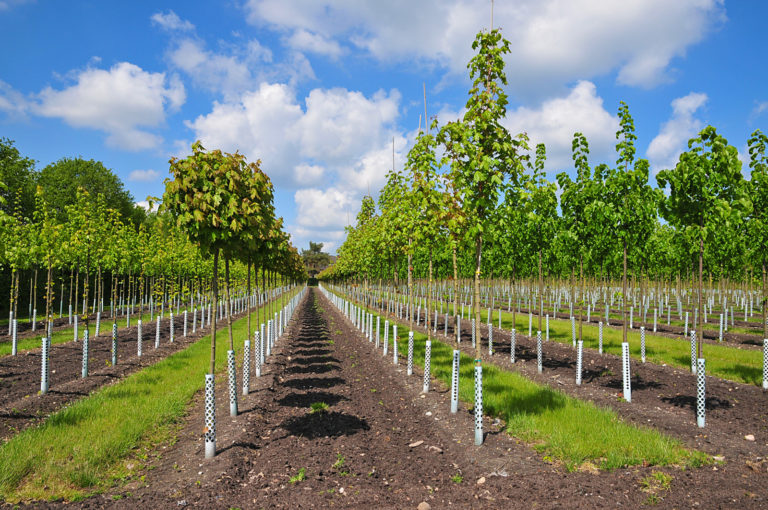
[[332, 421]]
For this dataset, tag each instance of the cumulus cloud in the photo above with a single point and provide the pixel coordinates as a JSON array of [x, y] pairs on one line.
[[665, 148], [121, 101], [556, 120], [171, 21], [143, 175], [339, 133], [12, 102], [325, 209], [311, 42], [553, 42]]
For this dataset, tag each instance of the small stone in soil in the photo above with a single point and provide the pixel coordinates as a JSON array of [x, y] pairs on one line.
[[481, 480], [749, 437], [417, 443], [424, 506]]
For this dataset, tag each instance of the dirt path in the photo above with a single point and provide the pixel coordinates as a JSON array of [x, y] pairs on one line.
[[380, 444]]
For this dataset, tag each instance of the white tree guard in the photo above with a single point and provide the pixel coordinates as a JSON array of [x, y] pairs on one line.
[[85, 354], [765, 363], [410, 353], [427, 365], [474, 333], [386, 337], [394, 345], [257, 350], [139, 339], [600, 337], [512, 346], [75, 331], [642, 343], [490, 339], [246, 367], [625, 374], [547, 328], [579, 360], [455, 381], [701, 393], [232, 383], [14, 337], [114, 344], [693, 351], [573, 330], [478, 405], [98, 325], [44, 366], [185, 323], [210, 417], [538, 352]]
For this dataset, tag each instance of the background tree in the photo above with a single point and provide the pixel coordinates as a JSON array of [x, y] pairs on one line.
[[315, 260], [61, 180]]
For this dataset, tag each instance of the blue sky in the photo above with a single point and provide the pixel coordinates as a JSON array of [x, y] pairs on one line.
[[318, 90]]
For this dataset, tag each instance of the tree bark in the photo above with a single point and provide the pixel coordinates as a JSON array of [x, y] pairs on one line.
[[214, 311]]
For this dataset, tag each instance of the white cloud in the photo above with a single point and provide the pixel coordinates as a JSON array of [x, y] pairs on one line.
[[339, 124], [325, 209], [556, 120], [341, 133], [304, 40], [121, 101], [145, 205], [171, 21], [760, 108], [553, 42], [260, 125], [308, 175], [144, 175], [665, 148], [12, 102]]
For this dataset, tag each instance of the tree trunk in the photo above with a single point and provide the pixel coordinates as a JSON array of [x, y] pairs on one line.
[[478, 254], [624, 295], [583, 301], [701, 282], [214, 313], [228, 305], [455, 297], [48, 296], [410, 288], [541, 292], [248, 298], [765, 303]]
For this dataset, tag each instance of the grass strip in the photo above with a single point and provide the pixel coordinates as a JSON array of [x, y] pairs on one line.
[[724, 361], [733, 363], [67, 334], [76, 450], [562, 428]]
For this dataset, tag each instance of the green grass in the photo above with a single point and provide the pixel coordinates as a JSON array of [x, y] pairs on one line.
[[727, 362], [740, 365], [67, 334], [78, 450], [560, 427]]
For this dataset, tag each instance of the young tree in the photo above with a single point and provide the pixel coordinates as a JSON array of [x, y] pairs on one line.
[[707, 192], [214, 197], [758, 219], [485, 152], [634, 201]]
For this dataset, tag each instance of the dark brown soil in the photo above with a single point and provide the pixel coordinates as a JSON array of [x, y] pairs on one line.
[[382, 444], [21, 404]]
